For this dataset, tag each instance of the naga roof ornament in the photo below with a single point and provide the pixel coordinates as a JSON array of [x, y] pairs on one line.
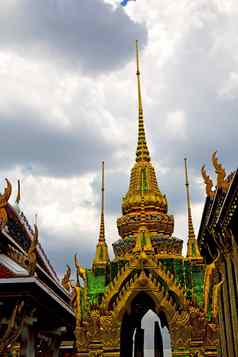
[[208, 182], [223, 180], [3, 203], [32, 252], [220, 171], [18, 198]]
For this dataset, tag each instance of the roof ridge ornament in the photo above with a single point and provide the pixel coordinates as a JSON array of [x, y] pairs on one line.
[[18, 198], [208, 182], [32, 252], [4, 198], [220, 171]]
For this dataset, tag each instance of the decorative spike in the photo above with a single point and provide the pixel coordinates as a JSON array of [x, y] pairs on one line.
[[220, 171], [142, 152], [192, 247], [208, 182], [3, 202], [18, 198]]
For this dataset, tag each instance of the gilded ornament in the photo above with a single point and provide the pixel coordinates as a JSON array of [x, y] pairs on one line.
[[66, 278], [220, 171], [208, 182], [31, 260], [3, 203], [80, 270]]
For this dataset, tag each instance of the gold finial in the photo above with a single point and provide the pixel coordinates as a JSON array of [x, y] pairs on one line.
[[102, 225], [66, 278], [142, 152], [3, 203], [32, 252], [36, 219], [192, 248], [208, 182], [220, 171], [18, 198]]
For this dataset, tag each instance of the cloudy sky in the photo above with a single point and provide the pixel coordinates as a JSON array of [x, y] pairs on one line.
[[68, 101]]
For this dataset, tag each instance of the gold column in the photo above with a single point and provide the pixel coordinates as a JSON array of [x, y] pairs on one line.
[[227, 313], [234, 257], [232, 302], [222, 327]]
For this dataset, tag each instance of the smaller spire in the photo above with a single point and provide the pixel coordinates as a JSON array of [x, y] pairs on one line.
[[102, 224], [192, 247], [142, 152], [101, 257]]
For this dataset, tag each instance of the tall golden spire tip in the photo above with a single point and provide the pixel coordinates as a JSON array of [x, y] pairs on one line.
[[142, 152]]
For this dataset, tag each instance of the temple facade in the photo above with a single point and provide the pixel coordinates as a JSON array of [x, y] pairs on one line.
[[194, 296], [218, 242], [148, 272]]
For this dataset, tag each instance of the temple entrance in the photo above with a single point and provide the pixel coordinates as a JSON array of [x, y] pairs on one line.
[[137, 334], [150, 323]]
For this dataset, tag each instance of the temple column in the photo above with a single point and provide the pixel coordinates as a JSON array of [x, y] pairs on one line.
[[28, 343], [55, 347], [234, 257], [222, 329], [227, 314], [232, 302], [158, 341], [139, 343]]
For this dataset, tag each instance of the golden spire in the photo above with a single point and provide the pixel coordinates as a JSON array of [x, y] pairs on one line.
[[102, 225], [142, 152], [143, 195], [192, 247], [102, 257]]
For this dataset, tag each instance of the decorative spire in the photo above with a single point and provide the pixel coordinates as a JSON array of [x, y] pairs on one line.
[[192, 247], [143, 195], [102, 257], [142, 152], [102, 224]]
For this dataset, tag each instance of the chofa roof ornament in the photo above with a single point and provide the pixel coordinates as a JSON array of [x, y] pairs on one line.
[[3, 202], [220, 171], [208, 182]]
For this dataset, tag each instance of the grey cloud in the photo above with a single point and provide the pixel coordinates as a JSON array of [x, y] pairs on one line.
[[85, 33], [60, 249], [194, 78], [116, 185], [43, 148]]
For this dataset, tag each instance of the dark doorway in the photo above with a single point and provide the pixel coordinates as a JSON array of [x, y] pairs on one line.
[[143, 332]]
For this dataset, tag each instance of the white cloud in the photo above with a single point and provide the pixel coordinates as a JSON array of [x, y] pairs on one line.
[[189, 87]]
